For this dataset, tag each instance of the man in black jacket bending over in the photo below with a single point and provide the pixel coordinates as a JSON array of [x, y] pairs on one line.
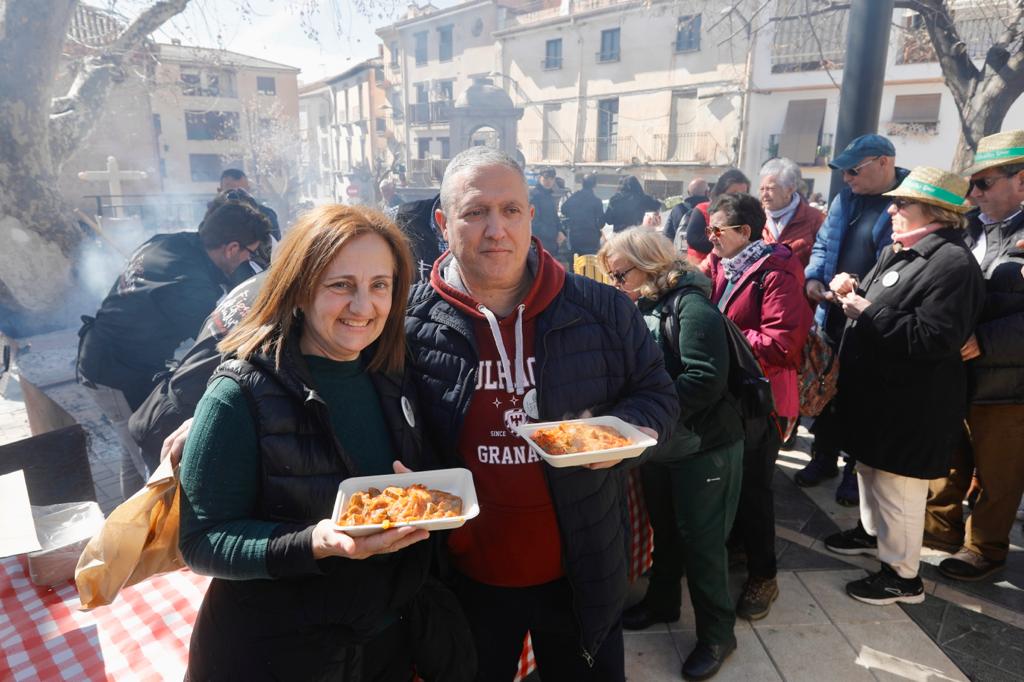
[[499, 336], [169, 286]]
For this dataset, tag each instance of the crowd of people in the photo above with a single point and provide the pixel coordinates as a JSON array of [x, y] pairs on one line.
[[417, 338]]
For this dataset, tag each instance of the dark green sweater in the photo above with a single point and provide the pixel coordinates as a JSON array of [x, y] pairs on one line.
[[221, 533]]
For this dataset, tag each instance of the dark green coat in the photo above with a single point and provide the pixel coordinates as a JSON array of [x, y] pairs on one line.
[[708, 415]]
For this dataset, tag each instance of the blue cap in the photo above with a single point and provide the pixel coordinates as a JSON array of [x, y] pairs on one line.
[[863, 147]]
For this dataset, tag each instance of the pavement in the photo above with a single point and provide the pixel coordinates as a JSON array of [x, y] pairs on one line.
[[815, 632]]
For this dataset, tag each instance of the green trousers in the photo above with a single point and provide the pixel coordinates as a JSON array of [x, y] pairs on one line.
[[692, 504]]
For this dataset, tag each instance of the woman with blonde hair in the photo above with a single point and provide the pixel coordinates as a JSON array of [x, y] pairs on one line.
[[902, 382], [311, 394], [692, 482]]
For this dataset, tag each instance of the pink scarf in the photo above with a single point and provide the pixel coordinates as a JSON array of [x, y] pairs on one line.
[[911, 237]]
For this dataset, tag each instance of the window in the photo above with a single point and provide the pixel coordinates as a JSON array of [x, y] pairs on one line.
[[196, 83], [157, 125], [382, 125], [553, 54], [444, 44], [688, 33], [205, 167], [916, 109], [266, 85], [609, 46], [421, 47], [446, 147], [446, 90], [393, 49], [211, 125], [801, 130], [607, 129], [191, 81], [422, 147]]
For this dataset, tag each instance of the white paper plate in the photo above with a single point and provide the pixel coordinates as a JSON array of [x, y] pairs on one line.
[[641, 441], [454, 481]]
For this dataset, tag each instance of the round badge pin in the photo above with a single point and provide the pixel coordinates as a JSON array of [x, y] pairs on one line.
[[530, 405], [890, 278], [410, 417]]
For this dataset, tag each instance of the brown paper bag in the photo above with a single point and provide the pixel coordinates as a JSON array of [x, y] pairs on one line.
[[138, 539]]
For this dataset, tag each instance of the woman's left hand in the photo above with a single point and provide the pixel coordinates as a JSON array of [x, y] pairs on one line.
[[854, 305], [330, 542]]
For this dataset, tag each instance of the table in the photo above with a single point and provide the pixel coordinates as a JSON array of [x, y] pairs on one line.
[[144, 634]]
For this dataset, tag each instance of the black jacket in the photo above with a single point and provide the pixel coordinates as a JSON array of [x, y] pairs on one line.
[[677, 218], [627, 208], [997, 376], [416, 220], [902, 385], [166, 291], [177, 392], [302, 623], [593, 352], [584, 216], [545, 217]]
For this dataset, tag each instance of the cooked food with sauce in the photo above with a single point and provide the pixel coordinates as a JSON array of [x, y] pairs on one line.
[[399, 505], [567, 438]]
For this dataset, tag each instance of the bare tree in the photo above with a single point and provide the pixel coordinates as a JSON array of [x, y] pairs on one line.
[[269, 146], [38, 133]]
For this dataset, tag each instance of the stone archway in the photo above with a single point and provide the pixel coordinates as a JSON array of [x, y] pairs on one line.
[[485, 114]]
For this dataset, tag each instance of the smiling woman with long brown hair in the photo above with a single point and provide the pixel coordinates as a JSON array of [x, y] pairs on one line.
[[311, 395]]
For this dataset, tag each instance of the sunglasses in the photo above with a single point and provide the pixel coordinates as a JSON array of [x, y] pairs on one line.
[[985, 184], [855, 171], [716, 230], [901, 202], [620, 277]]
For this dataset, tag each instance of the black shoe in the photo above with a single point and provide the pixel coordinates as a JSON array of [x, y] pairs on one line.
[[756, 600], [967, 565], [705, 660], [817, 470], [887, 587], [853, 541], [640, 616], [848, 492]]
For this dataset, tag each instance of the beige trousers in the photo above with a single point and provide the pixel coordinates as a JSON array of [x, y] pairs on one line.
[[892, 509]]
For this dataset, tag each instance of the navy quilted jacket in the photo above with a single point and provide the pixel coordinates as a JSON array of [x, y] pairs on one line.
[[594, 353]]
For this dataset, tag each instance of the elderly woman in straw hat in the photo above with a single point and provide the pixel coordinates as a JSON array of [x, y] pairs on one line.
[[902, 384]]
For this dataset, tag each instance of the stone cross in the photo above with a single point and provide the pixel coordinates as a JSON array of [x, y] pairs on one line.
[[113, 175]]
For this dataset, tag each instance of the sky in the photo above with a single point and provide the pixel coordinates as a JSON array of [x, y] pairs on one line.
[[321, 37]]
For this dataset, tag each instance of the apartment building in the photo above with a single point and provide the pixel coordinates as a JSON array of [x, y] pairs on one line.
[[795, 88], [347, 134], [648, 88]]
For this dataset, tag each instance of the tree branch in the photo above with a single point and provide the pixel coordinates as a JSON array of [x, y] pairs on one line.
[[74, 115]]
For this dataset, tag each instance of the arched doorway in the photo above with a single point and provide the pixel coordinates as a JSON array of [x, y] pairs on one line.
[[485, 136]]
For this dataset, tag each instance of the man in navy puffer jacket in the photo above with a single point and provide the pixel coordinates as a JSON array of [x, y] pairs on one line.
[[499, 336]]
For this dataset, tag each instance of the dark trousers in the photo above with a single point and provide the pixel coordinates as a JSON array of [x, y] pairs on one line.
[[755, 516], [692, 505], [501, 616]]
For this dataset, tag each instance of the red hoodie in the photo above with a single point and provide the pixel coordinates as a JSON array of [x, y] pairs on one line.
[[515, 542]]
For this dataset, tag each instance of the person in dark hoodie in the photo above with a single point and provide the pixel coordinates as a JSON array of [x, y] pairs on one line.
[[692, 483], [584, 216], [627, 206], [313, 393], [502, 335]]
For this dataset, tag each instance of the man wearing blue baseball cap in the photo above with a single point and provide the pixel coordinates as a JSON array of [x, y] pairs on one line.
[[857, 228]]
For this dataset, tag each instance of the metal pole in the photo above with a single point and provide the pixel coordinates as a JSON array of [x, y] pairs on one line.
[[860, 98]]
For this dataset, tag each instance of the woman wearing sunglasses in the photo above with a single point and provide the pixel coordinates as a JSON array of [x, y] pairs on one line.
[[760, 287], [902, 383], [692, 483]]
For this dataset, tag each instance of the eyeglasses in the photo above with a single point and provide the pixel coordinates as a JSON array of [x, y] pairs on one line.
[[252, 252], [855, 171], [716, 230], [985, 184], [900, 202], [620, 277]]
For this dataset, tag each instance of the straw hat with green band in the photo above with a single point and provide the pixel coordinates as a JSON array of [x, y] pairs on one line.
[[933, 186], [1000, 149]]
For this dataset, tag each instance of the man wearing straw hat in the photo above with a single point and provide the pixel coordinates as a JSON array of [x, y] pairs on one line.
[[902, 384], [995, 359]]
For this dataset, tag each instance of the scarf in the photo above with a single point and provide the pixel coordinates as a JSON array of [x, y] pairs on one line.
[[907, 239], [777, 220], [741, 262]]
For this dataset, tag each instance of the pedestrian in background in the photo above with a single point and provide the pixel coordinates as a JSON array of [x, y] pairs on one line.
[[584, 217], [628, 205], [732, 181], [790, 219]]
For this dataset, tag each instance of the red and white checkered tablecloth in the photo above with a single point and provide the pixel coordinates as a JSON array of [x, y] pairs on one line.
[[144, 634]]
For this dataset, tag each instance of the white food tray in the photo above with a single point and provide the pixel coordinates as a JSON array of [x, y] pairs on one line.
[[454, 481], [640, 442]]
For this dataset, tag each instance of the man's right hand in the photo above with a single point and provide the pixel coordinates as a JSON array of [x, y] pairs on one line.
[[174, 444], [818, 292]]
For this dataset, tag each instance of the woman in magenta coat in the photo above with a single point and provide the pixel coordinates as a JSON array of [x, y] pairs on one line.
[[760, 287]]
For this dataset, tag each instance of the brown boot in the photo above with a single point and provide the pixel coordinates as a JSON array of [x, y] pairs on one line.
[[756, 600], [968, 565]]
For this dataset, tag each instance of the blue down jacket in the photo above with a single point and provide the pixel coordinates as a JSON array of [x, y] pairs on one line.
[[594, 353]]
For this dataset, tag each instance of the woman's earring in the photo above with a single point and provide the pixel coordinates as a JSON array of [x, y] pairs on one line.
[[296, 312]]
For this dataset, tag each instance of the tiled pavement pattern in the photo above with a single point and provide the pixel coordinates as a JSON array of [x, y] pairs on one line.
[[814, 632]]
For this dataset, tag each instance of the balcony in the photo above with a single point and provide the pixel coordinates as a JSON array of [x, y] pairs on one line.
[[978, 32], [425, 172], [686, 147], [430, 112], [550, 150], [620, 149], [794, 47], [822, 151]]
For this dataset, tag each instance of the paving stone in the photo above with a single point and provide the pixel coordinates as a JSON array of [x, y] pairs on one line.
[[828, 588], [651, 657], [812, 653], [795, 557], [986, 639], [899, 651], [928, 615]]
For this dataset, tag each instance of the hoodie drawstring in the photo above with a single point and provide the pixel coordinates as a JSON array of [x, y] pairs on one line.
[[520, 376]]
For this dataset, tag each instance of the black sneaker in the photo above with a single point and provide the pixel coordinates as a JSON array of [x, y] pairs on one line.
[[887, 587], [853, 541]]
